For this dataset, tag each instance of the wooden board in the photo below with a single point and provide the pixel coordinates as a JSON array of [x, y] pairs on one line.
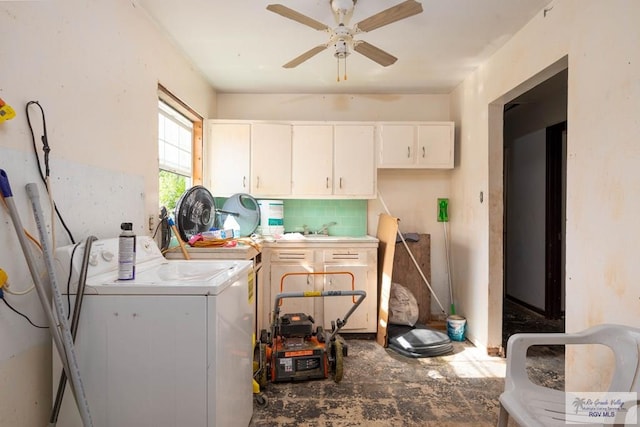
[[406, 273], [387, 230]]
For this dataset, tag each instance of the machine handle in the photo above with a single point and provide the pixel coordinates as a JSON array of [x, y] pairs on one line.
[[353, 280]]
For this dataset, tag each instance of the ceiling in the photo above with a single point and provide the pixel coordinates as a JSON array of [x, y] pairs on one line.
[[240, 46]]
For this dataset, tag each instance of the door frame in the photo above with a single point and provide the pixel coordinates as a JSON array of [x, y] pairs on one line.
[[496, 208]]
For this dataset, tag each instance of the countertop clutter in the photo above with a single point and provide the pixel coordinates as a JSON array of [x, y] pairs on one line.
[[239, 251]]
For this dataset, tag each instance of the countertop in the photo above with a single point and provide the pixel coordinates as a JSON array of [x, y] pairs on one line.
[[290, 240], [296, 239]]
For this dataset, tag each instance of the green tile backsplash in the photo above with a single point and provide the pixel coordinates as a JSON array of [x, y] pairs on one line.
[[350, 216]]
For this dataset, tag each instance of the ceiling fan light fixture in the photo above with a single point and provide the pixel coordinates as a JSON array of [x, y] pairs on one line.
[[342, 49]]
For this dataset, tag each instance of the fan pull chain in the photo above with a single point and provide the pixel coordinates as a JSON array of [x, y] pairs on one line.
[[338, 69], [345, 69]]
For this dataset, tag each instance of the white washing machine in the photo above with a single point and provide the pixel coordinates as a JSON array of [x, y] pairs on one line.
[[173, 347]]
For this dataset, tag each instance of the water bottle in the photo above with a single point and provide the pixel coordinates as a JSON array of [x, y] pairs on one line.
[[126, 252], [231, 224]]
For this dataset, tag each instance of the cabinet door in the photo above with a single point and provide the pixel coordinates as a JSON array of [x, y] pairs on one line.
[[270, 159], [435, 145], [337, 307], [354, 172], [312, 160], [396, 145], [296, 283], [229, 158]]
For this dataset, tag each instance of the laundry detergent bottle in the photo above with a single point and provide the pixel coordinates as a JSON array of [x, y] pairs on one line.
[[126, 252]]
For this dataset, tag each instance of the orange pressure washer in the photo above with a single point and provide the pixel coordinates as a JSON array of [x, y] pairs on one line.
[[293, 350]]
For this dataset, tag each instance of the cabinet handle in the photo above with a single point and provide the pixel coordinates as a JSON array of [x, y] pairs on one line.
[[327, 182], [340, 182], [258, 182], [308, 279], [424, 151], [244, 182], [408, 151]]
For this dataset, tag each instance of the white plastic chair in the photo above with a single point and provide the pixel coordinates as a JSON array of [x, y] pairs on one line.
[[530, 404]]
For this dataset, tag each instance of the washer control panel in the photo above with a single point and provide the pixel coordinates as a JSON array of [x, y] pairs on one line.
[[103, 258]]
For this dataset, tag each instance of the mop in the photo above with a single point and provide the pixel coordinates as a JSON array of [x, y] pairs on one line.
[[58, 327], [443, 217]]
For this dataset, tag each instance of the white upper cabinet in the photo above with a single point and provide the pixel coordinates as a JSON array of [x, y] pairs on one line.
[[334, 160], [270, 159], [292, 159], [312, 160], [435, 145], [354, 167], [427, 145], [228, 158], [397, 145]]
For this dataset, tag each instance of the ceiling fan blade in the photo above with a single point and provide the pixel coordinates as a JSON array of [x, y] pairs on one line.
[[296, 16], [400, 11], [374, 53], [308, 54]]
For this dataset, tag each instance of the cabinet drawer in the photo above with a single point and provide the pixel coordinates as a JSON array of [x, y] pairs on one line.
[[349, 256], [297, 255]]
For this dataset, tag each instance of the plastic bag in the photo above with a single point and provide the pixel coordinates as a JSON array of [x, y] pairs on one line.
[[403, 306]]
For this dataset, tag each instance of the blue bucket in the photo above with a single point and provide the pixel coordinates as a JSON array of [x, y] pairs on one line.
[[456, 326]]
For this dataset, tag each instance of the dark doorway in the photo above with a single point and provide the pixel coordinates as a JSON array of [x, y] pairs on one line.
[[555, 213], [534, 208]]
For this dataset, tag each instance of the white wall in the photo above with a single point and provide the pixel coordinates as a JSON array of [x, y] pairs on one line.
[[525, 242], [600, 40], [94, 67], [410, 195]]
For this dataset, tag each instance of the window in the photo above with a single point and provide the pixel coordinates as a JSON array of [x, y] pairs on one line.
[[179, 149]]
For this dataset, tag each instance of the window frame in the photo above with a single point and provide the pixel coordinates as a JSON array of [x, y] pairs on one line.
[[197, 120]]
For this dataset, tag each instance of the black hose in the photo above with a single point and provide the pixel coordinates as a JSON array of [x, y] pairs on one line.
[[82, 281], [46, 149]]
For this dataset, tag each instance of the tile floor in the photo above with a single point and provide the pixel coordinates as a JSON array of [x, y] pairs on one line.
[[383, 388]]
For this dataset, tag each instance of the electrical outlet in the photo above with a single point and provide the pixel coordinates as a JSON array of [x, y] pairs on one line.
[[152, 222]]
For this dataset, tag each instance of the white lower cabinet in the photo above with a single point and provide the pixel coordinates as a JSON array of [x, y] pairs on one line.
[[289, 273], [336, 307], [321, 267]]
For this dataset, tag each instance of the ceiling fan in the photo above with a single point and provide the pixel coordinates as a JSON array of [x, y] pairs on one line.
[[342, 37]]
